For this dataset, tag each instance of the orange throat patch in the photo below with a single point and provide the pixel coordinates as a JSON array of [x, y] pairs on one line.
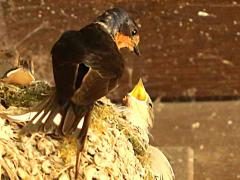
[[124, 41]]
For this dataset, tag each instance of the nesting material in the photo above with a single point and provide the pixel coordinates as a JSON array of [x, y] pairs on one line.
[[114, 149], [12, 96]]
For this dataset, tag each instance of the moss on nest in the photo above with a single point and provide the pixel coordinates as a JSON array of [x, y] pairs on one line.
[[23, 96]]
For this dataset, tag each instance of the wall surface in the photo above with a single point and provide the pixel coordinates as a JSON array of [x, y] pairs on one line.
[[189, 48]]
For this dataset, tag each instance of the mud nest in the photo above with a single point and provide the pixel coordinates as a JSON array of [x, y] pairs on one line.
[[114, 149]]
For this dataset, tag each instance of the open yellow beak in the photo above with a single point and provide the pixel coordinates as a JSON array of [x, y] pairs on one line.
[[139, 91]]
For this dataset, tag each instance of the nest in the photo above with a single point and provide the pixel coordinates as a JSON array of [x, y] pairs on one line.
[[22, 97], [114, 148]]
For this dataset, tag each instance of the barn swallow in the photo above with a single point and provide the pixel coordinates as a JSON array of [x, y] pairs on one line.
[[12, 70], [139, 113], [141, 106], [18, 76], [87, 65]]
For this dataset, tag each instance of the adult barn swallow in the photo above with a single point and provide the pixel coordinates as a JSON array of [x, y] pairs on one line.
[[87, 65]]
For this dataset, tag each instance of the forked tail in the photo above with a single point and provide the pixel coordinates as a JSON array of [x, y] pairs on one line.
[[54, 118]]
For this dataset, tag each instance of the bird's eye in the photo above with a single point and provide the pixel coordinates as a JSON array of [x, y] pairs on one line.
[[134, 32]]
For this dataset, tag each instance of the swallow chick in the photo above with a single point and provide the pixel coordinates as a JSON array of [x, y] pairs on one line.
[[141, 107], [18, 76], [12, 71], [87, 65], [141, 114]]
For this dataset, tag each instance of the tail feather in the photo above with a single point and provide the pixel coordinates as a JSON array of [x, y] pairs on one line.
[[50, 123], [70, 116], [37, 122], [34, 124], [54, 118], [79, 113], [74, 116]]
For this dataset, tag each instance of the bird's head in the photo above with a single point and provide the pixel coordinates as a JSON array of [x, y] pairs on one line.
[[141, 106], [20, 76], [122, 28]]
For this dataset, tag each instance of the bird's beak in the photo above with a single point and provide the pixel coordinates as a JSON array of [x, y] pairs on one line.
[[136, 50], [139, 91]]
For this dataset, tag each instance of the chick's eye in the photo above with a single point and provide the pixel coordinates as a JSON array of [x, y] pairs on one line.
[[134, 32]]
